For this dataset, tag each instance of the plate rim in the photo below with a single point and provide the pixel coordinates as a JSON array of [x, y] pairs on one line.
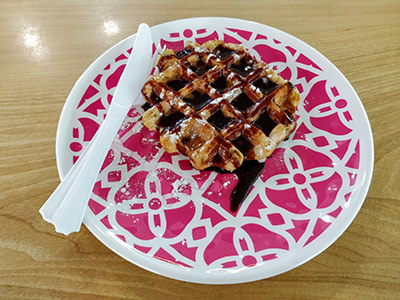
[[147, 264]]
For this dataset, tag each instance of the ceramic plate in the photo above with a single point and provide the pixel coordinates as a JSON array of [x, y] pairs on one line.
[[153, 209]]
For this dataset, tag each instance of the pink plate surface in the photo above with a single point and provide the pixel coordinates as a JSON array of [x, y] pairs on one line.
[[156, 211]]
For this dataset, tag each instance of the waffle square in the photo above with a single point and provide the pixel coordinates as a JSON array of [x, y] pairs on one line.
[[219, 106]]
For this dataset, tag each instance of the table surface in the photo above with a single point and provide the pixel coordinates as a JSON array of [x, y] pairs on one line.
[[46, 45]]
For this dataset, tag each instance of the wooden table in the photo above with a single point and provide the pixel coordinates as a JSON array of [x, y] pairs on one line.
[[46, 45]]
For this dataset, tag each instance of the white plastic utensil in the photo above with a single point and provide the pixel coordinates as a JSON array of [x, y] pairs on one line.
[[66, 207]]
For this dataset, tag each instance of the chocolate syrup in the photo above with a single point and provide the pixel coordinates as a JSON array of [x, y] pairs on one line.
[[220, 84], [154, 98], [222, 52], [242, 144], [171, 120], [176, 85], [193, 142], [218, 120], [265, 123], [201, 68], [265, 86], [200, 71], [289, 117], [184, 52], [247, 174], [242, 102], [198, 101], [146, 106], [242, 68]]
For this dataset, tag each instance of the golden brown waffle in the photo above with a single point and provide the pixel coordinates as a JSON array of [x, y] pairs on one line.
[[219, 106]]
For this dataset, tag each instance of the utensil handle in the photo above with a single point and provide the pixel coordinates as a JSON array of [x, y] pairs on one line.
[[66, 207]]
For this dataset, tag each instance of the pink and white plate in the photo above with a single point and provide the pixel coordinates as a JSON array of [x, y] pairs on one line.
[[153, 209]]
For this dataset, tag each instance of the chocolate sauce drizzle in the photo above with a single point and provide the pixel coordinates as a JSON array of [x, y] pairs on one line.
[[242, 102], [178, 84], [184, 52], [242, 144], [171, 120], [265, 123], [242, 68], [218, 120], [197, 100], [146, 106], [220, 84], [247, 174], [222, 52], [266, 86], [201, 68]]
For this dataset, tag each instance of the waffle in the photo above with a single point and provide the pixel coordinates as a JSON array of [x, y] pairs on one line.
[[219, 106]]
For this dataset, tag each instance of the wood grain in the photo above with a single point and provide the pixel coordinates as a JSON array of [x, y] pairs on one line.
[[360, 37]]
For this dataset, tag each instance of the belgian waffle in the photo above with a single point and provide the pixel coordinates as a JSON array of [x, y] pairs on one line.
[[219, 106]]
